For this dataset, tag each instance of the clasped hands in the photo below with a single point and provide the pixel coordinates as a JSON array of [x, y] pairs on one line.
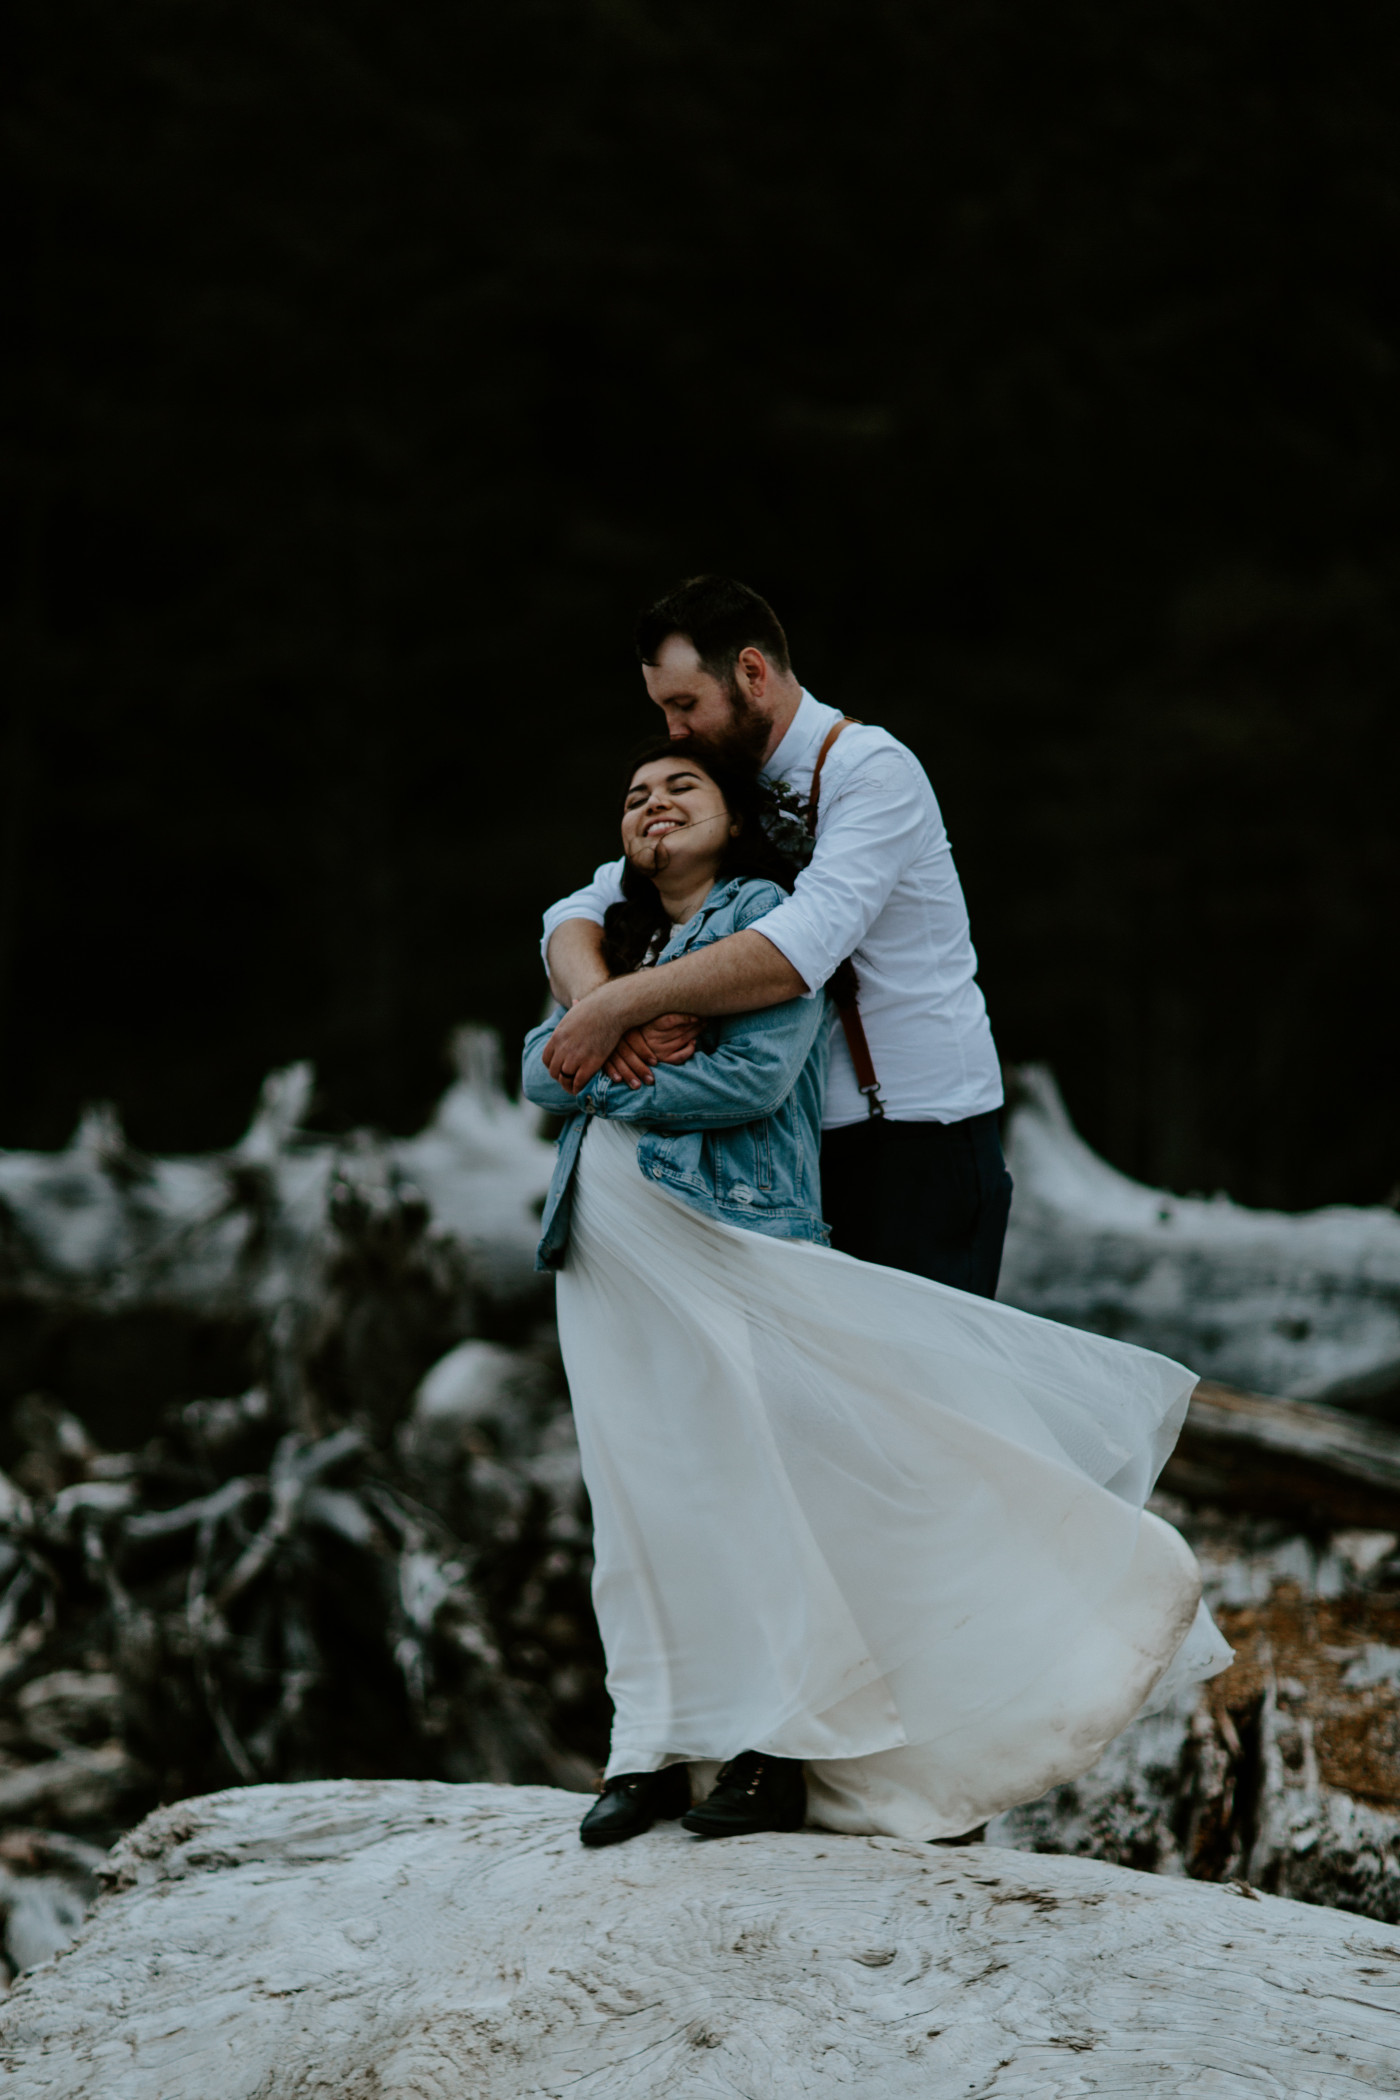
[[593, 1037]]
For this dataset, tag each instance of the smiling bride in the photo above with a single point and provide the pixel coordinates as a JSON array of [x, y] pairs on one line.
[[875, 1545]]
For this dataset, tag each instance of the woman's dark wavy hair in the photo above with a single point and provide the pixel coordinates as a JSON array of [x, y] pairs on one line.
[[629, 928]]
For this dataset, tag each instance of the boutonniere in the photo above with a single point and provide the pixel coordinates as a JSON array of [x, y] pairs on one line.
[[784, 818]]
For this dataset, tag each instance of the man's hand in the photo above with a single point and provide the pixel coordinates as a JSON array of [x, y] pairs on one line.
[[730, 976], [595, 1035], [670, 1040], [588, 1035]]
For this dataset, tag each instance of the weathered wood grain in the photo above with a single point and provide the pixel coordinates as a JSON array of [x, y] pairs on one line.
[[457, 1943]]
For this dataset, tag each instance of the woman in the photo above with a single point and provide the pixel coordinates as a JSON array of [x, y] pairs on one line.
[[875, 1544]]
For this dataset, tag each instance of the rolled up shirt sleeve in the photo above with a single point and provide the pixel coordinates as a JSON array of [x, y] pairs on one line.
[[870, 830], [591, 902]]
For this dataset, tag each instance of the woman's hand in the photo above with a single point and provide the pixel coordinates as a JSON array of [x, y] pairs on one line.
[[671, 1040]]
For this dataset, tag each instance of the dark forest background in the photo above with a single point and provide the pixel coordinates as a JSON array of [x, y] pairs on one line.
[[369, 365]]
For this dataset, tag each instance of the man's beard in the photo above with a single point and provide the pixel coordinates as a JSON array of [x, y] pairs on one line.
[[741, 741]]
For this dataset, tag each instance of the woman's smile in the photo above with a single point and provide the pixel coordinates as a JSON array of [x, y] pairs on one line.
[[675, 826]]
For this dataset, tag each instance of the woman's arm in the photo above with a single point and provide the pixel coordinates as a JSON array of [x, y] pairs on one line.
[[743, 970], [751, 972], [748, 1074], [535, 1081]]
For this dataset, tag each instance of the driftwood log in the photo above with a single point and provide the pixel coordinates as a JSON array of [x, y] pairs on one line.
[[331, 1271], [128, 1282], [294, 1571], [1301, 1303], [1291, 1458], [375, 1562], [457, 1942]]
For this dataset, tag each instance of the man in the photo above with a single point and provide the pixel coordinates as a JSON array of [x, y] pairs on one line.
[[920, 1183]]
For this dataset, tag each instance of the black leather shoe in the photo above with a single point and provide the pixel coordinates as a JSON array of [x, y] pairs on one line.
[[632, 1801], [752, 1792], [968, 1837]]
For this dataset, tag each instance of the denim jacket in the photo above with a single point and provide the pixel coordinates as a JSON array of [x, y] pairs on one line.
[[736, 1131]]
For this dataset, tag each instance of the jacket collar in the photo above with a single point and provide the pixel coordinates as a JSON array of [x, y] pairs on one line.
[[723, 893]]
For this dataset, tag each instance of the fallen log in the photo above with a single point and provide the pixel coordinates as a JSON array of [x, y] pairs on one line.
[[1305, 1303], [77, 1786], [47, 1885], [367, 1938], [105, 1224], [1288, 1458], [332, 1272]]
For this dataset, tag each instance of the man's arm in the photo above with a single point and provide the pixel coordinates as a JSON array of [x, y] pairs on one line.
[[740, 974], [574, 960], [748, 1073], [573, 932]]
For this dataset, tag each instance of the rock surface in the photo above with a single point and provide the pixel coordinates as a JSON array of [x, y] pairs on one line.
[[364, 1940]]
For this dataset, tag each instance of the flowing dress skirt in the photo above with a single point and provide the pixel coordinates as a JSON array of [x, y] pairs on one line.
[[847, 1515]]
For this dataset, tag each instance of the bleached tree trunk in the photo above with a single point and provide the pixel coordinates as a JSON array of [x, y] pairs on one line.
[[361, 1939], [1304, 1303]]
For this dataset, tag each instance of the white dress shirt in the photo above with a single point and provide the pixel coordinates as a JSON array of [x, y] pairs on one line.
[[881, 887]]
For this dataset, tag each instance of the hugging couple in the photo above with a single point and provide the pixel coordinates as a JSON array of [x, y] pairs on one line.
[[870, 1549]]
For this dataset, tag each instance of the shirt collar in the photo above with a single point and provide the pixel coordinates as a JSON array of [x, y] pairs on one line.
[[798, 750]]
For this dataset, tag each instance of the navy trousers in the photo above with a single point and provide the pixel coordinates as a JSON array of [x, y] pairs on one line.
[[933, 1198]]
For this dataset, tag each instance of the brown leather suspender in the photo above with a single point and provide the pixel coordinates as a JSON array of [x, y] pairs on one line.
[[814, 799], [844, 987]]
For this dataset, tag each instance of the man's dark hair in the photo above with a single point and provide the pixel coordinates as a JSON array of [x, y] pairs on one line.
[[720, 617]]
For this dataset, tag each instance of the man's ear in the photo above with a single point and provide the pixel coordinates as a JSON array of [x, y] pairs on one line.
[[751, 670]]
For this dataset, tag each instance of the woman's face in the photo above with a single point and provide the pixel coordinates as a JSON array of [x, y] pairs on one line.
[[674, 820]]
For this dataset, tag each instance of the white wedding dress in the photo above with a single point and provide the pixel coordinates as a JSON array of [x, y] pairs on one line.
[[847, 1515]]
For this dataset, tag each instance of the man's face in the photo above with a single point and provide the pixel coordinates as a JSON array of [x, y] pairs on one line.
[[704, 711]]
